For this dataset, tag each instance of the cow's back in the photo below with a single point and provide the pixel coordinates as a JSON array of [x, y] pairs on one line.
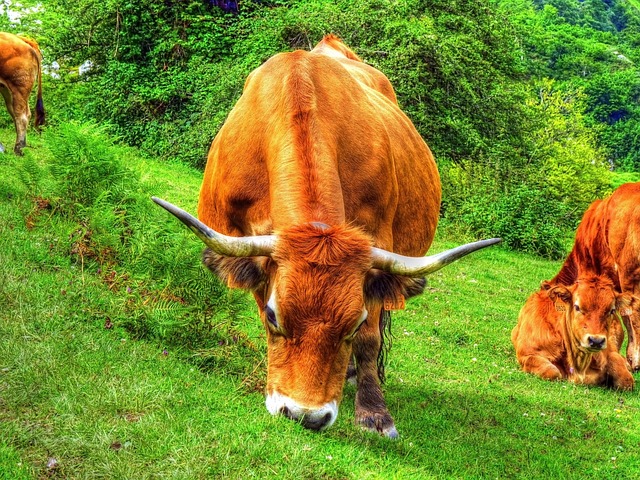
[[16, 54], [623, 225], [309, 140]]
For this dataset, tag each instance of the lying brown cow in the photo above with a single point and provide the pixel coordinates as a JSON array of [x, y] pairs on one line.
[[318, 185], [20, 66], [574, 333], [608, 243]]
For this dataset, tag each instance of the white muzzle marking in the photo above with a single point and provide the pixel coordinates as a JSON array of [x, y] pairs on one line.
[[319, 418]]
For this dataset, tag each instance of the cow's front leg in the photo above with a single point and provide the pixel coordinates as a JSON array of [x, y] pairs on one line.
[[618, 375], [371, 409], [632, 325], [540, 366]]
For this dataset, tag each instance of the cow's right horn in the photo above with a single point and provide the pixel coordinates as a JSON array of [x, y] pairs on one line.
[[254, 246], [420, 266]]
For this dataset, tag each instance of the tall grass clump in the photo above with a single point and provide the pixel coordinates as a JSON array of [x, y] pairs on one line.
[[154, 284]]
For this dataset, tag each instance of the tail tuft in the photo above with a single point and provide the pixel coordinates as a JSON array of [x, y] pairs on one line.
[[39, 113]]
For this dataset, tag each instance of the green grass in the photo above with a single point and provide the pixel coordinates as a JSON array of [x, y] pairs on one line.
[[172, 389]]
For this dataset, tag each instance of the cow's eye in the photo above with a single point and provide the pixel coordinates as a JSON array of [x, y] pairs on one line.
[[613, 311], [271, 316], [576, 308]]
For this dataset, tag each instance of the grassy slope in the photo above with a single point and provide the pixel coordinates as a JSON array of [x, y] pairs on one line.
[[104, 405]]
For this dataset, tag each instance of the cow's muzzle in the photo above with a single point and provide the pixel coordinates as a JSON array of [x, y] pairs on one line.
[[319, 418], [596, 343]]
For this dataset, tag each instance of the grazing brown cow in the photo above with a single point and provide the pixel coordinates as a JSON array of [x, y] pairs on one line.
[[319, 185], [20, 66], [574, 333]]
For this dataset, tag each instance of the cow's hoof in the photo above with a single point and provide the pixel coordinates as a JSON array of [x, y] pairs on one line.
[[380, 423]]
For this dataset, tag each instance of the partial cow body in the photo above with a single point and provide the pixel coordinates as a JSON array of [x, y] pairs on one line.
[[20, 67], [326, 181]]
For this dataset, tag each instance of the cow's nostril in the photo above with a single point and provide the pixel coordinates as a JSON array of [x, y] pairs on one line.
[[316, 423], [597, 342], [286, 412]]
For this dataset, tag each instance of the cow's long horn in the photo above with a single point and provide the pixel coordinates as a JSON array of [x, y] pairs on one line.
[[419, 266], [222, 244]]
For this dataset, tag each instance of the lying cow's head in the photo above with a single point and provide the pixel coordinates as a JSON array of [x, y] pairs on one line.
[[313, 284], [590, 305]]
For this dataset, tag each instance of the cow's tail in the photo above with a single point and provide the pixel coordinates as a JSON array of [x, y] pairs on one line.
[[385, 342], [39, 103]]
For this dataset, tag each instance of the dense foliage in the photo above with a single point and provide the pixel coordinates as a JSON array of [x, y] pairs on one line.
[[527, 104]]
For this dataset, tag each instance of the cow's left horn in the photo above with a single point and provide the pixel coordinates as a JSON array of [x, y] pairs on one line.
[[420, 266], [222, 244]]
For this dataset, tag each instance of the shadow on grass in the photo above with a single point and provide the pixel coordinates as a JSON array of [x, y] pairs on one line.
[[462, 433]]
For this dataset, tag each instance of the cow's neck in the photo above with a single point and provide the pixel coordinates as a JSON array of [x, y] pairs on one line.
[[578, 360], [306, 190]]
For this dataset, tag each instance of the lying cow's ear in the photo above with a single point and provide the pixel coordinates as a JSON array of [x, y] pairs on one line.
[[545, 285], [560, 296], [247, 273], [391, 290], [627, 304]]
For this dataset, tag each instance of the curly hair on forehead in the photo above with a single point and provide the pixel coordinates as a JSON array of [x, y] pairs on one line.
[[324, 245]]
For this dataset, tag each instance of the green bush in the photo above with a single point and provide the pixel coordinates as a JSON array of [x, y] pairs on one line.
[[525, 217], [533, 205], [86, 166]]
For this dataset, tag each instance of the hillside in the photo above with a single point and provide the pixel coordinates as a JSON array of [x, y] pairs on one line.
[[527, 105], [121, 358]]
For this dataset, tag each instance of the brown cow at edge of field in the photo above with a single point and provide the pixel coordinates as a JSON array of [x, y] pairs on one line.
[[574, 333], [20, 66], [318, 185], [607, 244]]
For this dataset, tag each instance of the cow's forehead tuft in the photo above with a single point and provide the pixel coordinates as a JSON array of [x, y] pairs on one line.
[[322, 245]]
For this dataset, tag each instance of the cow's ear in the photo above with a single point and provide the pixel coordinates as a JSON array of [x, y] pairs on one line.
[[391, 290], [560, 296], [627, 304], [545, 285], [247, 273]]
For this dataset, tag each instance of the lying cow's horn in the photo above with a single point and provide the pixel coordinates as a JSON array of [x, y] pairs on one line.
[[222, 244], [420, 266]]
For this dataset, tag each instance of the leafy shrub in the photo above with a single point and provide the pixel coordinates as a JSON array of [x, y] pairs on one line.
[[533, 205], [525, 217]]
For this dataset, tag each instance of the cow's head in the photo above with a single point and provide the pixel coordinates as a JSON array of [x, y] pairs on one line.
[[313, 285], [590, 305]]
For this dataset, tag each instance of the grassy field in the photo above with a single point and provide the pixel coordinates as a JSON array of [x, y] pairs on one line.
[[117, 363]]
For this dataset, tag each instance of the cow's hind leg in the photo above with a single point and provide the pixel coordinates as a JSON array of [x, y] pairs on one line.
[[629, 275], [8, 100], [352, 376], [16, 96], [632, 325], [22, 114], [617, 372], [371, 409]]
